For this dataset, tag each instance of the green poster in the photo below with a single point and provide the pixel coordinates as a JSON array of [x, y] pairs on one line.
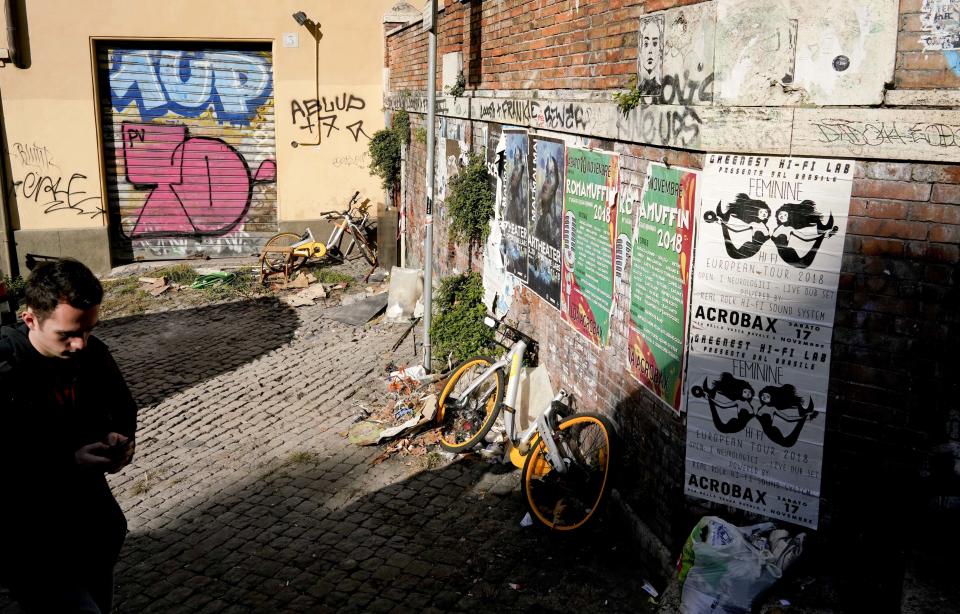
[[589, 231], [660, 280]]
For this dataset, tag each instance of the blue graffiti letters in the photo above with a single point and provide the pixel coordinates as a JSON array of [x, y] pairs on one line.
[[188, 83]]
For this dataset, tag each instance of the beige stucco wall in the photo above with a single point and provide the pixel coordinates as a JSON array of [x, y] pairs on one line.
[[51, 105]]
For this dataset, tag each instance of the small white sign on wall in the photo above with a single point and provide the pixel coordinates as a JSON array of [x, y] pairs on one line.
[[427, 16], [291, 39]]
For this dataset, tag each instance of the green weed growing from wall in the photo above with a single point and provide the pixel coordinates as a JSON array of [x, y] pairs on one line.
[[459, 86], [385, 157], [470, 202], [629, 99], [457, 326], [401, 125]]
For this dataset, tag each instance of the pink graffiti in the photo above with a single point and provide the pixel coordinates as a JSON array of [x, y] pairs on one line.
[[201, 185]]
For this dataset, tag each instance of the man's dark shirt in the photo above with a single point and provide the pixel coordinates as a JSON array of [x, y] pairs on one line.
[[56, 516]]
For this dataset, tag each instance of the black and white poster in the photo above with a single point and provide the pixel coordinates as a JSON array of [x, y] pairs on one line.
[[766, 269], [516, 198], [544, 221]]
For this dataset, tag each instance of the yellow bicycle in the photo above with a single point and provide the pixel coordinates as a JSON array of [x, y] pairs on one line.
[[286, 252], [566, 457]]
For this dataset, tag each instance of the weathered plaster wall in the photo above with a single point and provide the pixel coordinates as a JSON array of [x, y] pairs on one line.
[[51, 116]]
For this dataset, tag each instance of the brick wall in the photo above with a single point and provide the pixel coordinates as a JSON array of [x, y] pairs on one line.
[[917, 69], [545, 44], [892, 410]]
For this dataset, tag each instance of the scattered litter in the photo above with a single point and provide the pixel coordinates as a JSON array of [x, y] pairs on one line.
[[417, 372], [306, 297], [427, 411], [212, 279], [514, 586], [300, 281], [785, 603], [364, 433], [725, 567], [157, 291], [153, 281], [527, 520], [648, 588]]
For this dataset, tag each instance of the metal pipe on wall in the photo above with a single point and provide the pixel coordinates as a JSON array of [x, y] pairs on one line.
[[431, 146]]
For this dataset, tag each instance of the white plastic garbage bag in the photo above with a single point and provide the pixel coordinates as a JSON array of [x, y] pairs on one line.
[[723, 567], [406, 287]]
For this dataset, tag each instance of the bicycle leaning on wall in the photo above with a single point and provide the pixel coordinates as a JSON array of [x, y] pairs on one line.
[[565, 456]]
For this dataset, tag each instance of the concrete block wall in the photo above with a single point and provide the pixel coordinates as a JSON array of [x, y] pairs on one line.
[[891, 435]]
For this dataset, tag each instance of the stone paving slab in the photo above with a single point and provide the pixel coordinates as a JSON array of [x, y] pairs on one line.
[[245, 495]]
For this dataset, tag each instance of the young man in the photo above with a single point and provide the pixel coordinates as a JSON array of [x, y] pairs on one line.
[[66, 418]]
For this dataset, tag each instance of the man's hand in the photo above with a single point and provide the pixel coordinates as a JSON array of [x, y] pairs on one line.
[[93, 455], [112, 454]]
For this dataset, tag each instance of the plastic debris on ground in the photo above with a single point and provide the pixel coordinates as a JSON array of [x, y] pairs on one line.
[[410, 405], [723, 567], [405, 289], [527, 520], [212, 279]]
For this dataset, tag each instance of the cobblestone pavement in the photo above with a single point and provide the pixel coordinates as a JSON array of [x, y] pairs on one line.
[[245, 495]]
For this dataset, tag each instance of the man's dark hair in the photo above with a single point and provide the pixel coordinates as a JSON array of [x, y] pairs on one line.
[[61, 281]]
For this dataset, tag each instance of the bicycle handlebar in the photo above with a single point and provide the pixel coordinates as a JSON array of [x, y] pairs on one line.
[[515, 334], [345, 212]]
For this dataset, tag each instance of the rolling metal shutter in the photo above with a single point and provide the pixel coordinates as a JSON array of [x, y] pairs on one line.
[[189, 148]]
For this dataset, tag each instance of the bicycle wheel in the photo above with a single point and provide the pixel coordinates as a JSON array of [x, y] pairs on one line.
[[276, 261], [566, 501], [465, 421], [369, 253]]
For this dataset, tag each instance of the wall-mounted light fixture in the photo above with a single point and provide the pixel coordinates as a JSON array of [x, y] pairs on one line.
[[301, 18], [314, 28]]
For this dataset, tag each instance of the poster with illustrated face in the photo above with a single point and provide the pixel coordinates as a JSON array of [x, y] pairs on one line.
[[661, 247], [544, 219], [766, 269], [650, 58], [589, 241], [516, 202]]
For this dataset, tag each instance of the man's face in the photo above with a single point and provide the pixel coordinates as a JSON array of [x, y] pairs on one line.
[[64, 332], [650, 46]]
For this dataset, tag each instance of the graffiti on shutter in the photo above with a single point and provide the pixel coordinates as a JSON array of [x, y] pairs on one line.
[[190, 150]]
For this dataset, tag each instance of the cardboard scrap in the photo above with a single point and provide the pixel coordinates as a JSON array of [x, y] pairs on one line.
[[306, 297], [300, 281], [427, 411], [153, 281]]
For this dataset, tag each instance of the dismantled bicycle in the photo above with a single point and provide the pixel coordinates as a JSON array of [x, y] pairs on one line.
[[565, 456], [286, 252]]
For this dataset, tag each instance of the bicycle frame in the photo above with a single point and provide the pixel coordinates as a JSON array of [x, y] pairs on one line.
[[543, 425], [306, 247], [341, 226]]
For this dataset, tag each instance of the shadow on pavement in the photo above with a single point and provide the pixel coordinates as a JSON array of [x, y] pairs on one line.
[[445, 540], [164, 353]]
